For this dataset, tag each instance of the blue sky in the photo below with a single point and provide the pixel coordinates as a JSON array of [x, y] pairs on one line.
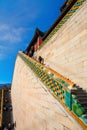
[[18, 21]]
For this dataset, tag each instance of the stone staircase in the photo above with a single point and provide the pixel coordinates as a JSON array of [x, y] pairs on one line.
[[81, 99], [65, 91]]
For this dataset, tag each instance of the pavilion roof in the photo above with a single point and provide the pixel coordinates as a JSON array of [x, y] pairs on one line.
[[37, 34]]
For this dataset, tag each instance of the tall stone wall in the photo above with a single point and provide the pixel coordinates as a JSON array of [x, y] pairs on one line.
[[34, 108], [66, 51]]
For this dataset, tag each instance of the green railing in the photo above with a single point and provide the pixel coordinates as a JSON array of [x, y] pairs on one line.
[[56, 83], [59, 86]]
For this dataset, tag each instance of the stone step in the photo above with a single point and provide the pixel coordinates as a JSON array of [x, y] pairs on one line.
[[82, 100], [82, 97], [81, 94], [83, 104], [85, 108], [78, 88], [80, 91]]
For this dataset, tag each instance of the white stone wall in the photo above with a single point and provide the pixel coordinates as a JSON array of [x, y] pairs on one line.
[[34, 108], [66, 51]]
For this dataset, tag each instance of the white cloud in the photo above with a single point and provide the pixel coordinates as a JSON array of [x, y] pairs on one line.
[[3, 27], [2, 56], [11, 34], [10, 37], [2, 51]]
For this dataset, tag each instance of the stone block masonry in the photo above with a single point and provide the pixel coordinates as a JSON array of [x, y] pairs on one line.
[[66, 51], [33, 106]]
